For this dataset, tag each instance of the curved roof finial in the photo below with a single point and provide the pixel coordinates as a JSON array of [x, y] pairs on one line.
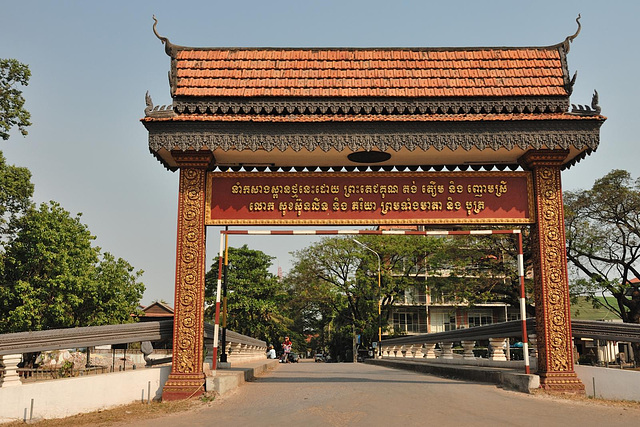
[[168, 47], [570, 39]]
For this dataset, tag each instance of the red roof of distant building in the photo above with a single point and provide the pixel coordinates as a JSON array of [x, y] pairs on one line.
[[157, 309]]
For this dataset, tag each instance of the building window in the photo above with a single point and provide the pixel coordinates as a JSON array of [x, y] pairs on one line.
[[513, 316], [441, 322], [415, 295], [406, 322], [479, 319]]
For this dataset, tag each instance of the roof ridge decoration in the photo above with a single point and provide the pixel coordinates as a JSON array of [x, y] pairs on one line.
[[585, 110], [157, 111], [566, 44], [169, 47], [171, 50]]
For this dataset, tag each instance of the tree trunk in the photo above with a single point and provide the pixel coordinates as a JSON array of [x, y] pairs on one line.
[[355, 343]]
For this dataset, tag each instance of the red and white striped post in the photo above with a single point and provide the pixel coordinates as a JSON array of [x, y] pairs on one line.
[[523, 311], [216, 323]]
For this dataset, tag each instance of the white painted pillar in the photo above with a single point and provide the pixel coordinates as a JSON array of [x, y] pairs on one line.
[[447, 350], [10, 363], [468, 350], [497, 349], [429, 351], [417, 351]]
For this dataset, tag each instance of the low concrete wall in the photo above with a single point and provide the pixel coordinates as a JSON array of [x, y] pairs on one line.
[[610, 383], [478, 361], [65, 397], [229, 379], [504, 377]]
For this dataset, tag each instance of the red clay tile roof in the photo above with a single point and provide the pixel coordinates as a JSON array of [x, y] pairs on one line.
[[375, 72]]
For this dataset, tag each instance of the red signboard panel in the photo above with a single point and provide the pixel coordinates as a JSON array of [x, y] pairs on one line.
[[236, 198]]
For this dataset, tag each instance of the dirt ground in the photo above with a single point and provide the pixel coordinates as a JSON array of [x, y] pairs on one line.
[[128, 413]]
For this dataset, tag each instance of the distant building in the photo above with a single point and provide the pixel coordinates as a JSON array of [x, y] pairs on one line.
[[425, 309], [156, 311]]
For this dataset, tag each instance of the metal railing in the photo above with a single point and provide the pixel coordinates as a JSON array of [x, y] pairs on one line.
[[424, 346], [609, 331], [239, 347]]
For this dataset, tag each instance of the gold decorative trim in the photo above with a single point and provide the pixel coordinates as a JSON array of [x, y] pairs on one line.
[[239, 175], [553, 322], [368, 222], [188, 325], [187, 377]]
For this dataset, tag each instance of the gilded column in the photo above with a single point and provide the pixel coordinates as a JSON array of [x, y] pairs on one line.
[[187, 377], [551, 282]]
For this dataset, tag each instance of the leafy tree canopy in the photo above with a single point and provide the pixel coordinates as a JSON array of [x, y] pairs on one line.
[[12, 111], [603, 241], [256, 300], [334, 283], [54, 278], [16, 190]]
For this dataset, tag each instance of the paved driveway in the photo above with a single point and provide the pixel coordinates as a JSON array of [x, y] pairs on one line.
[[344, 394]]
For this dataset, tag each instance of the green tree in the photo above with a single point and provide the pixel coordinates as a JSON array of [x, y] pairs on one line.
[[12, 111], [115, 294], [603, 244], [334, 283], [53, 277], [479, 269], [256, 299], [336, 280], [16, 191]]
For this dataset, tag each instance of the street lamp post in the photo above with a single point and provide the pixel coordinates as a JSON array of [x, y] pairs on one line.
[[379, 297]]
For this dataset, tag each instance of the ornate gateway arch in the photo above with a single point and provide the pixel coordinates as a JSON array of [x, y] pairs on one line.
[[361, 136]]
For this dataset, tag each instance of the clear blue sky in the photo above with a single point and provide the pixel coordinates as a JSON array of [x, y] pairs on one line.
[[92, 63]]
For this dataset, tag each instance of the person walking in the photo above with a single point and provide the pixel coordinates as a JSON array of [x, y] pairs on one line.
[[286, 349]]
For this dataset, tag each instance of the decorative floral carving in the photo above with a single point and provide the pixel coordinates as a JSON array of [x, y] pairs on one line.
[[551, 282], [186, 372], [197, 140], [373, 106]]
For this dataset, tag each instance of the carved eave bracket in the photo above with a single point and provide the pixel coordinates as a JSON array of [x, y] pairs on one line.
[[535, 158], [157, 111], [586, 110]]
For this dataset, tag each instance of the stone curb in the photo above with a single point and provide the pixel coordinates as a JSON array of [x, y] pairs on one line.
[[507, 378], [229, 379]]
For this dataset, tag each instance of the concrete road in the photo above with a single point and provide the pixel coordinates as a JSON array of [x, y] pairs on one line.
[[344, 394]]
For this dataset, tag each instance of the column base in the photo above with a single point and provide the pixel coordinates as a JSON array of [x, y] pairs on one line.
[[561, 382], [183, 386]]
